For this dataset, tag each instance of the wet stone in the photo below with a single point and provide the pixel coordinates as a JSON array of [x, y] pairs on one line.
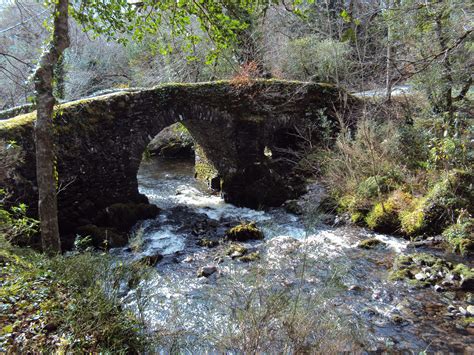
[[206, 271]]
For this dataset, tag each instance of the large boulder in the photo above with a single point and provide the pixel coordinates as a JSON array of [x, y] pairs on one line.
[[174, 141]]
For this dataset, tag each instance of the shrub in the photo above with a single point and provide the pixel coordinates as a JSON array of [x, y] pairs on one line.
[[72, 298], [460, 235], [368, 162], [440, 206]]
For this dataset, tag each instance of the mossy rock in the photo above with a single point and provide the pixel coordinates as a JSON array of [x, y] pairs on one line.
[[208, 243], [370, 243], [384, 216], [244, 232], [401, 274], [236, 249], [408, 267], [255, 256], [467, 276], [413, 222]]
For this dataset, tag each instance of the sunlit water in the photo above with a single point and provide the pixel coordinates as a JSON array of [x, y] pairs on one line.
[[320, 263]]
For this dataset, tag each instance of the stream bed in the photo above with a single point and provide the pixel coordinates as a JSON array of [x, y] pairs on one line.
[[342, 292]]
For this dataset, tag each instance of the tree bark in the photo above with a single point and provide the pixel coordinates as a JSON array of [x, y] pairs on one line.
[[46, 175], [448, 82]]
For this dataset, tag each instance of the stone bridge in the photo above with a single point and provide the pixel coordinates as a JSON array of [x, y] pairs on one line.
[[100, 142]]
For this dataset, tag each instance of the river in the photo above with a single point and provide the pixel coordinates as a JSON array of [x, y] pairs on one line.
[[312, 287]]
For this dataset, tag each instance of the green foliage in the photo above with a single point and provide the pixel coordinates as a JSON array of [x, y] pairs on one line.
[[356, 206], [15, 225], [82, 244], [69, 304], [118, 19], [460, 235], [450, 152]]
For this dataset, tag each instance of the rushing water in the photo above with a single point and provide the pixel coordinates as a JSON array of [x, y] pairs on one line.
[[316, 264]]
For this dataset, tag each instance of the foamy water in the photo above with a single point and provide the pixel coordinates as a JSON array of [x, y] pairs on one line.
[[317, 260]]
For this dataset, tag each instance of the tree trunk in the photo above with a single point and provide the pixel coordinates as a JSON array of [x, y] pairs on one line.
[[448, 82], [46, 174]]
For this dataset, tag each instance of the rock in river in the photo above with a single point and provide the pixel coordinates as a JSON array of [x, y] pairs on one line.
[[206, 271]]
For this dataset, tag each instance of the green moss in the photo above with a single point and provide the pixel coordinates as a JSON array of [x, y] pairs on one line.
[[431, 214], [244, 232], [250, 257], [357, 217], [205, 242], [400, 274], [370, 243], [236, 248], [467, 321], [384, 216], [12, 123], [424, 259], [435, 269], [413, 222], [179, 128], [204, 171]]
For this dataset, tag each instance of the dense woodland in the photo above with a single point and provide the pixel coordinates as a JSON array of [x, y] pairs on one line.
[[396, 160]]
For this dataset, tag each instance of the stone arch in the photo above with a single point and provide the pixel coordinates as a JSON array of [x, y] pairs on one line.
[[100, 141]]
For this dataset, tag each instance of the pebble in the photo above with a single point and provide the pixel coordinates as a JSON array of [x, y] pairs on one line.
[[463, 311], [439, 288]]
